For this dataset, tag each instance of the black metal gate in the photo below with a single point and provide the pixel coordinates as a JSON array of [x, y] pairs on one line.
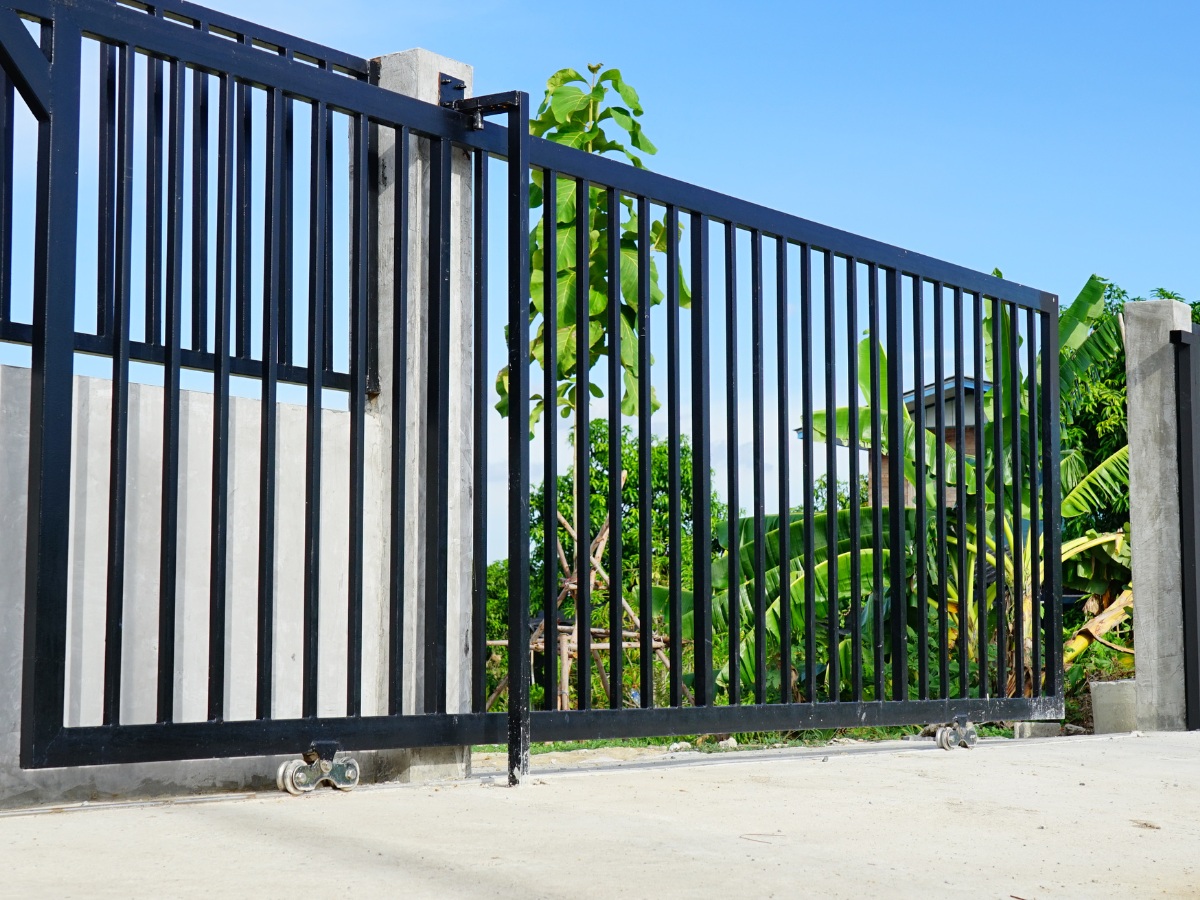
[[1187, 391], [938, 601]]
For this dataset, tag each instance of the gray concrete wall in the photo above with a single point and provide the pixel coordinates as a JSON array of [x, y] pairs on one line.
[[1154, 511], [415, 73], [87, 572]]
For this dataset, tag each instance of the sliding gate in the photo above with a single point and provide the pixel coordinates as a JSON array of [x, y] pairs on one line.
[[822, 471]]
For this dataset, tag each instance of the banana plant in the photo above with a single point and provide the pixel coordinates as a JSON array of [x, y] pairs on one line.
[[1092, 563]]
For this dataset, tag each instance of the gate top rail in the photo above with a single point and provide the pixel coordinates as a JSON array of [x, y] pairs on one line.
[[218, 23], [391, 110], [659, 188]]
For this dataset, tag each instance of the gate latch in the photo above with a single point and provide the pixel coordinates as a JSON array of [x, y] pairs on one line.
[[302, 776], [451, 93]]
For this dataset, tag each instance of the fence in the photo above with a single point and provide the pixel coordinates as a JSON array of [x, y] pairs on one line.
[[932, 597], [979, 324]]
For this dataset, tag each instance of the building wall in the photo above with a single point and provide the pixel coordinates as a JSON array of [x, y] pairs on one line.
[[909, 490]]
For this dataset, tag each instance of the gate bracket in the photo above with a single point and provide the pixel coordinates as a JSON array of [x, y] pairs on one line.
[[450, 96], [302, 776]]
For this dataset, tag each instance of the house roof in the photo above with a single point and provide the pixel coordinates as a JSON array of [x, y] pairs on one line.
[[949, 391]]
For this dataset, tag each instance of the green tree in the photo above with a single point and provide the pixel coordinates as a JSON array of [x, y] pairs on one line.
[[599, 114], [633, 517]]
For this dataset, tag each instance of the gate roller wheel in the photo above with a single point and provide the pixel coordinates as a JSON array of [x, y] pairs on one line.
[[350, 774], [288, 781]]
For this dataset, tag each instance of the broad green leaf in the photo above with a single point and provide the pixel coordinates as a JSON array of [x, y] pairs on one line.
[[1077, 320], [1100, 487], [567, 99], [564, 76]]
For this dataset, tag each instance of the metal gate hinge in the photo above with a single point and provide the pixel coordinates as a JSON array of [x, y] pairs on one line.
[[451, 92]]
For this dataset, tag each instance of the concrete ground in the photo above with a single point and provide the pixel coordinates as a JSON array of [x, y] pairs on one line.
[[1062, 817]]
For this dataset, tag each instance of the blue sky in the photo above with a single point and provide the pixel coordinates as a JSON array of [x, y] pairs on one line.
[[1049, 139]]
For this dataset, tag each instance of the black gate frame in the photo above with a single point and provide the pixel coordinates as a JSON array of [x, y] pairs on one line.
[[1187, 399], [182, 34], [48, 79]]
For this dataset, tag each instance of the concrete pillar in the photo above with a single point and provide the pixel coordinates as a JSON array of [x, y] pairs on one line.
[[1154, 511], [416, 73]]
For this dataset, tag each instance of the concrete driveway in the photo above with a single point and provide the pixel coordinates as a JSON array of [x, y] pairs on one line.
[[1064, 817]]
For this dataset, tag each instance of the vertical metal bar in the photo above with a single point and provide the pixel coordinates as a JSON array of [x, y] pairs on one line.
[[1018, 494], [1187, 382], [939, 428], [1036, 535], [154, 200], [645, 439], [105, 218], [759, 468], [785, 503], [961, 496], [980, 442], [267, 439], [1050, 472], [245, 206], [998, 391], [834, 667], [920, 501], [360, 237], [550, 572], [702, 635], [437, 419], [47, 528], [854, 440], [583, 445], [479, 444], [287, 250], [199, 210], [876, 401], [732, 410], [616, 611], [222, 326], [518, 436], [897, 583], [119, 459], [399, 526], [317, 299], [329, 312], [808, 455], [7, 111], [674, 477], [168, 545]]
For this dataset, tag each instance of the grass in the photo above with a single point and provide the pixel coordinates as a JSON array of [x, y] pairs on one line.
[[758, 740]]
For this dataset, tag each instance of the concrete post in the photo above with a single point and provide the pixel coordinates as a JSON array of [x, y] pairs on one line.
[[416, 73], [1154, 511]]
